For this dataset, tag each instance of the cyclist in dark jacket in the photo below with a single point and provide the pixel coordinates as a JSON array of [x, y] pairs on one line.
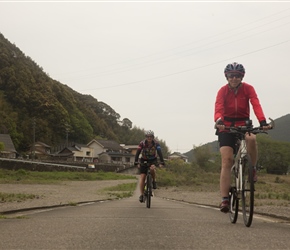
[[232, 108], [149, 149]]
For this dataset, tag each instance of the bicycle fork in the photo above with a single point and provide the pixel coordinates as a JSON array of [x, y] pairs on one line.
[[237, 168]]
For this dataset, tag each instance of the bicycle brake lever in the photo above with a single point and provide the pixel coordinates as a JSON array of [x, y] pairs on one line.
[[272, 123]]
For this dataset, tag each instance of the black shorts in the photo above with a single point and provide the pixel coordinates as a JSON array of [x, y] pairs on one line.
[[227, 139], [143, 169]]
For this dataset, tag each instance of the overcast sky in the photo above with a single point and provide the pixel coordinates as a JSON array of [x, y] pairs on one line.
[[160, 63]]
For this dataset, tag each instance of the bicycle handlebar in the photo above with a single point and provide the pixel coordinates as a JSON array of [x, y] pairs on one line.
[[245, 129], [250, 129], [148, 164]]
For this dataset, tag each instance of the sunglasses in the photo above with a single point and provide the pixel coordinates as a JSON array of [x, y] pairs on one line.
[[149, 136], [234, 75]]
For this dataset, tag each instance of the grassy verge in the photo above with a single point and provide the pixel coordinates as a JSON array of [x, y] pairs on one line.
[[30, 177], [120, 191], [272, 190], [269, 190], [33, 177], [7, 197]]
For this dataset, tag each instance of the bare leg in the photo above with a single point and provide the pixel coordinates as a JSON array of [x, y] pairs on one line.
[[142, 183], [153, 172], [225, 176]]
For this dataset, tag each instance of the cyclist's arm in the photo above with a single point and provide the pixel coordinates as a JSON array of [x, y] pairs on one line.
[[219, 105], [137, 154], [256, 105], [159, 152], [139, 149]]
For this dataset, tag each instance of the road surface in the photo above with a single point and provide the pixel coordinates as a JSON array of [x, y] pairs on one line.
[[128, 224]]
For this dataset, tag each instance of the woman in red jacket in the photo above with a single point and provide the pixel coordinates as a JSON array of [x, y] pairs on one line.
[[232, 108]]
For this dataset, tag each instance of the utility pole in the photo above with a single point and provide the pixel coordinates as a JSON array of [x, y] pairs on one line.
[[33, 147], [66, 131]]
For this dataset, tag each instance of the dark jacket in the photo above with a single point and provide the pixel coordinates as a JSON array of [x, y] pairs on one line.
[[149, 152]]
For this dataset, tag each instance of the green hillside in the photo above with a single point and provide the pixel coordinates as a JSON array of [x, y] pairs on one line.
[[34, 105], [281, 131]]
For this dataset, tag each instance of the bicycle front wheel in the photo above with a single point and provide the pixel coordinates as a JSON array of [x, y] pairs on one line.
[[248, 191], [149, 190], [234, 205]]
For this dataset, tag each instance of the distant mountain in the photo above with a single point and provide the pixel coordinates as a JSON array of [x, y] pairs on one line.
[[281, 130], [279, 133]]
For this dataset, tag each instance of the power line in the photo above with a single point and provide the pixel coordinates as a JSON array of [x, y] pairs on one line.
[[119, 70], [187, 70]]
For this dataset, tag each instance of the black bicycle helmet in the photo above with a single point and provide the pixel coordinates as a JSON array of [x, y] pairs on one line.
[[235, 68], [149, 133]]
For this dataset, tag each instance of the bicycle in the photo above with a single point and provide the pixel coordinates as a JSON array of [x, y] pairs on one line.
[[148, 186], [242, 183]]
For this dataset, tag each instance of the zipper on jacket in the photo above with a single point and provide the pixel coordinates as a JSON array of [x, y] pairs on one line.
[[236, 102]]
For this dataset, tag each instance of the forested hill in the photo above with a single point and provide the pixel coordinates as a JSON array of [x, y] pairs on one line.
[[279, 133], [33, 104]]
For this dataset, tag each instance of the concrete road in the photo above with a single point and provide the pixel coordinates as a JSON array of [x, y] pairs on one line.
[[128, 224]]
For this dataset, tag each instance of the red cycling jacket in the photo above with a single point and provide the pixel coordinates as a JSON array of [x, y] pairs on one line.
[[233, 104]]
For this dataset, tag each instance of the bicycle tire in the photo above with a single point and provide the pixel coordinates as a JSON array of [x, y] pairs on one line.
[[145, 192], [247, 191], [149, 190], [234, 205]]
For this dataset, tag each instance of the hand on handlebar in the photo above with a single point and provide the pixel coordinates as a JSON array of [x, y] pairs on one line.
[[219, 124], [266, 126]]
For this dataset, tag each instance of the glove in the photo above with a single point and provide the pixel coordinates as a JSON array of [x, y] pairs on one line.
[[219, 121], [263, 123], [136, 163]]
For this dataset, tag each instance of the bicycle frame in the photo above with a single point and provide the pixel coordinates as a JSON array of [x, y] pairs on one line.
[[243, 188], [243, 185], [148, 186], [238, 166]]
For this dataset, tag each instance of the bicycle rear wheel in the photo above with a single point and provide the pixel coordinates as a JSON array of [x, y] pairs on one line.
[[234, 205], [248, 191], [149, 190]]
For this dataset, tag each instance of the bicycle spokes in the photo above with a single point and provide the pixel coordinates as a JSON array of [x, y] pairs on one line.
[[148, 190], [234, 205], [248, 192]]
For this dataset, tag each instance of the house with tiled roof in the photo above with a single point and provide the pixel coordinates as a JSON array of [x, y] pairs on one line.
[[103, 151], [177, 155], [40, 149], [130, 148], [77, 152], [109, 151], [9, 150]]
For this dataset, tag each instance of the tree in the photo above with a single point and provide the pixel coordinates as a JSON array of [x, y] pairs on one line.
[[202, 155], [127, 123], [273, 155], [26, 91]]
